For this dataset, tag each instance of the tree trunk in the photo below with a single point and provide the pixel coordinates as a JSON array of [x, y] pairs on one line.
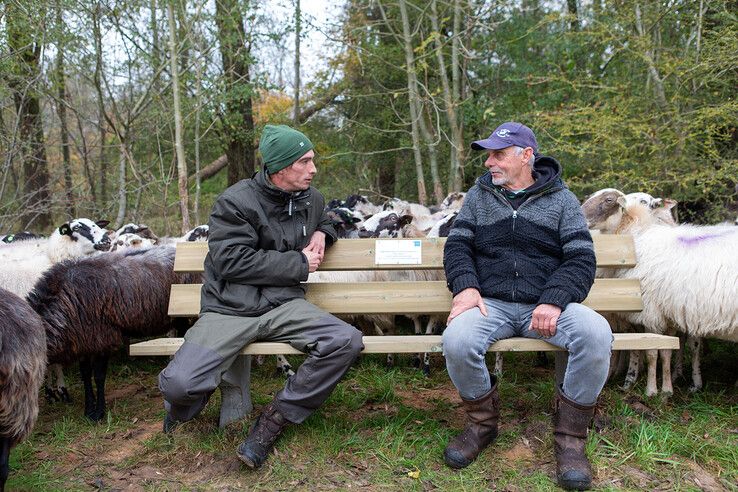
[[571, 7], [122, 199], [412, 84], [100, 103], [62, 112], [296, 108], [23, 81], [456, 174], [238, 120], [184, 202]]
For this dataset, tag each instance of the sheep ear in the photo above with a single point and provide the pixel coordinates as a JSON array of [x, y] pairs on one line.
[[102, 224], [670, 203], [405, 220], [622, 202], [65, 230], [355, 220]]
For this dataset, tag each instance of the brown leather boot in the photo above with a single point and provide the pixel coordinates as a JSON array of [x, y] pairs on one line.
[[480, 430], [260, 441], [571, 422]]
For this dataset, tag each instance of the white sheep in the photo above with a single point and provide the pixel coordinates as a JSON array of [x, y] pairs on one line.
[[130, 240], [689, 279]]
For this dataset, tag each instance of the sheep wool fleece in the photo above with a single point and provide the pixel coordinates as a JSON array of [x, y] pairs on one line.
[[252, 291]]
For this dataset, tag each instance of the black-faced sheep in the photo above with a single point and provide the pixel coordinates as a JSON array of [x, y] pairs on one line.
[[22, 366], [90, 304]]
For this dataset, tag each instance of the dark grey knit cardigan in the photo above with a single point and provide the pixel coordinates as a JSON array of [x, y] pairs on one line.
[[541, 253]]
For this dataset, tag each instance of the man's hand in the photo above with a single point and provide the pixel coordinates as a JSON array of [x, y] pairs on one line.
[[317, 243], [314, 259], [465, 300], [544, 319]]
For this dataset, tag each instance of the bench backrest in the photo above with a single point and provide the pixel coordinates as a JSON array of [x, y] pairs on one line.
[[423, 297]]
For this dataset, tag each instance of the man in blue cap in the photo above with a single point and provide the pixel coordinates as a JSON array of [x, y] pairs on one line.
[[266, 235], [519, 261]]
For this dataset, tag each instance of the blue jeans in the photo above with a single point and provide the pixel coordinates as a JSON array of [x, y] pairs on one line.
[[585, 334]]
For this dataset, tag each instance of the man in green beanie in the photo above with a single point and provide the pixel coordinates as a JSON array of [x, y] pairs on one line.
[[266, 235]]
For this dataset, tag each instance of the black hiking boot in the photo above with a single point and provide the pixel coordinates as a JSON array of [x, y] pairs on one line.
[[260, 441]]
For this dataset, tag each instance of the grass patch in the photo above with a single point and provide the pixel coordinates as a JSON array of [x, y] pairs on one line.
[[382, 429]]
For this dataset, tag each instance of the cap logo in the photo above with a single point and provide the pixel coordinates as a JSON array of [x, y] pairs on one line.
[[302, 144], [503, 133]]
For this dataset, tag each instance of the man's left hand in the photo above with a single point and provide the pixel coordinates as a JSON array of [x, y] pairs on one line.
[[317, 243], [544, 319]]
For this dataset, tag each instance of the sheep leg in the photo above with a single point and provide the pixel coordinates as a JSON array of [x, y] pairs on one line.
[[695, 344], [666, 386], [634, 367], [284, 367], [61, 385], [100, 370], [418, 329], [4, 461], [678, 370], [651, 386], [430, 329], [498, 364], [85, 371]]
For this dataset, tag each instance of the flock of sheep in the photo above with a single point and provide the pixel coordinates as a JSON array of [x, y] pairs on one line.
[[74, 296]]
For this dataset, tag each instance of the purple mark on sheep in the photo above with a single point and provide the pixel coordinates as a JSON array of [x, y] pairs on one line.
[[693, 241]]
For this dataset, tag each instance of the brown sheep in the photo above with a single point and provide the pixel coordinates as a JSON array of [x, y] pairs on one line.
[[22, 366]]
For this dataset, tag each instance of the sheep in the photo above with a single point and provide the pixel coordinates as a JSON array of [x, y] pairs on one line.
[[131, 241], [689, 280], [604, 211], [453, 201], [141, 230], [90, 304], [345, 221], [199, 234], [403, 207], [25, 262], [361, 204], [22, 365]]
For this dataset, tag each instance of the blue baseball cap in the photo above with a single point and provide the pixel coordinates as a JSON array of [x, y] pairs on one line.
[[507, 134]]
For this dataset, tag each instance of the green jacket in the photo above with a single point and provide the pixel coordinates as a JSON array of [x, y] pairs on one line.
[[257, 232]]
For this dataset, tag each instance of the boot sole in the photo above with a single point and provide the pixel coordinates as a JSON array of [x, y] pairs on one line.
[[247, 461], [455, 464]]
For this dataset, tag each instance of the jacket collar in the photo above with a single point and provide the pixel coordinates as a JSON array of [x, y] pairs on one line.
[[275, 193]]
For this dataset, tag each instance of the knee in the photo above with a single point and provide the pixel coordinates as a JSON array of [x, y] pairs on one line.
[[457, 346], [174, 385], [355, 342], [348, 341], [593, 335]]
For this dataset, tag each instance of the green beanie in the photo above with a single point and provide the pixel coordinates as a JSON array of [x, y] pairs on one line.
[[281, 145]]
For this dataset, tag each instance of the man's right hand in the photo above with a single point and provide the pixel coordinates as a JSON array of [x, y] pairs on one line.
[[314, 259], [465, 300]]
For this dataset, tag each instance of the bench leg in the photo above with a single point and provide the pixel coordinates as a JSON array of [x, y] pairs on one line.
[[235, 394]]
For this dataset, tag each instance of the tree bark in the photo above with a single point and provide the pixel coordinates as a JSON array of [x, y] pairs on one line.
[[97, 76], [22, 23], [61, 107], [412, 84], [238, 120], [184, 202], [296, 108]]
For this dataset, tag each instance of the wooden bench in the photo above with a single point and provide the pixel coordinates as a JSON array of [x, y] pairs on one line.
[[427, 297]]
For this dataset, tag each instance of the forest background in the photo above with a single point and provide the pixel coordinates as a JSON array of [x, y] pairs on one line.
[[145, 110]]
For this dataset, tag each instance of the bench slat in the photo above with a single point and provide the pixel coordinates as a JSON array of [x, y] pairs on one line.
[[607, 295], [417, 343], [612, 250]]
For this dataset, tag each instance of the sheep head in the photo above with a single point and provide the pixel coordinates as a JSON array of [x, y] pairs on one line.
[[603, 210]]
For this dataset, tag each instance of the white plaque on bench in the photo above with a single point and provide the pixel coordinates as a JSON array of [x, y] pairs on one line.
[[398, 252]]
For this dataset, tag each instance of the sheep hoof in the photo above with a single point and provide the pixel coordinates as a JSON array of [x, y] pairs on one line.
[[51, 395], [96, 415], [694, 389], [426, 370], [63, 395]]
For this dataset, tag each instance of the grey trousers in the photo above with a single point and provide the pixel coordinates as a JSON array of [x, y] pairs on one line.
[[213, 343], [585, 335]]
